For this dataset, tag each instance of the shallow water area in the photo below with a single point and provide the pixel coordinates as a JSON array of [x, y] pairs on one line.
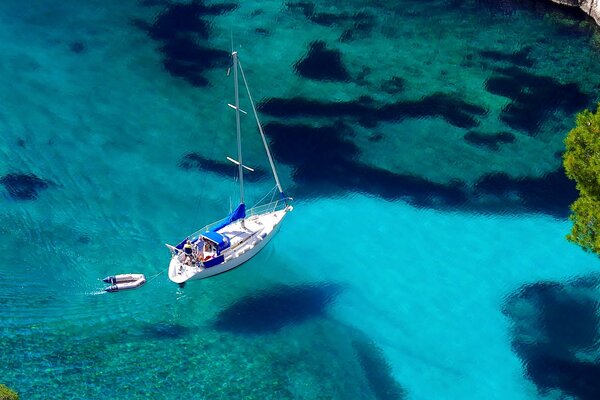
[[427, 237]]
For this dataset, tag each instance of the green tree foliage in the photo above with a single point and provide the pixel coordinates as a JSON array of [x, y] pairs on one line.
[[7, 394], [582, 164]]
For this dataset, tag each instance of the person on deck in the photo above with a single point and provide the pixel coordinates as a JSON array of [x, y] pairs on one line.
[[188, 251]]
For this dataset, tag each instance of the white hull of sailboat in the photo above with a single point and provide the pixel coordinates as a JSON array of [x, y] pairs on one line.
[[247, 241], [226, 244]]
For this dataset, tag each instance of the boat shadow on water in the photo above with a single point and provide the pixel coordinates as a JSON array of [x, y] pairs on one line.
[[277, 307]]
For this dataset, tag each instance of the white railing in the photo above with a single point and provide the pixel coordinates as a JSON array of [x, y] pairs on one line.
[[273, 206], [276, 205]]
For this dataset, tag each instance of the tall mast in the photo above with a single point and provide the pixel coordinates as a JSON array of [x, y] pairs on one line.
[[237, 124], [262, 134]]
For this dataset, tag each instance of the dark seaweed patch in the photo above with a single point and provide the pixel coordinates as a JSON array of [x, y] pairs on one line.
[[303, 107], [84, 239], [166, 331], [185, 58], [534, 97], [322, 64], [551, 193], [303, 145], [324, 162], [519, 58], [271, 310], [377, 371], [555, 333], [356, 25], [23, 186], [503, 86], [490, 141], [178, 20], [153, 3], [183, 33], [77, 47], [196, 161], [454, 110], [503, 7]]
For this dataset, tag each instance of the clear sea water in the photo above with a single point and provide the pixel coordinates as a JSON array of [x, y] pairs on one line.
[[426, 256]]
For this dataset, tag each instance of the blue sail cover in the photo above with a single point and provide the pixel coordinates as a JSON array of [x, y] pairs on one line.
[[238, 213], [221, 241]]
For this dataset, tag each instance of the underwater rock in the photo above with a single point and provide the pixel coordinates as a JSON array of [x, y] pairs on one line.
[[590, 7], [23, 186], [555, 328], [322, 64]]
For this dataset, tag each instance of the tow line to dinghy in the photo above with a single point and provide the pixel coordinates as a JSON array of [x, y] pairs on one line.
[[126, 281]]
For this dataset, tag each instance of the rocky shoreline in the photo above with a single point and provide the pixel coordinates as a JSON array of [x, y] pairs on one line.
[[591, 7]]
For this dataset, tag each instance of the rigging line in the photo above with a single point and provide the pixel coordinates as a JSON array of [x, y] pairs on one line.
[[262, 134], [265, 196], [154, 276]]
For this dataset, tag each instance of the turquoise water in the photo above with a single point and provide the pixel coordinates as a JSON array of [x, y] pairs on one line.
[[426, 245]]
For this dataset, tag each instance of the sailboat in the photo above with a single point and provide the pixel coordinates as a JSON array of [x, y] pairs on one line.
[[226, 244]]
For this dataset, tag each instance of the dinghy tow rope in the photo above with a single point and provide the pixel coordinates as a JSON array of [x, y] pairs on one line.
[[127, 281]]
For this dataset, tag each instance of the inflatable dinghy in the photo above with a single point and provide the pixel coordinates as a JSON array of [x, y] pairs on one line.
[[124, 282]]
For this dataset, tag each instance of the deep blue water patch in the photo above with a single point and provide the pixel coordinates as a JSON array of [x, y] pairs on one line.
[[322, 64], [183, 33], [533, 97], [555, 333], [198, 162], [279, 306], [491, 141], [23, 186], [377, 371]]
